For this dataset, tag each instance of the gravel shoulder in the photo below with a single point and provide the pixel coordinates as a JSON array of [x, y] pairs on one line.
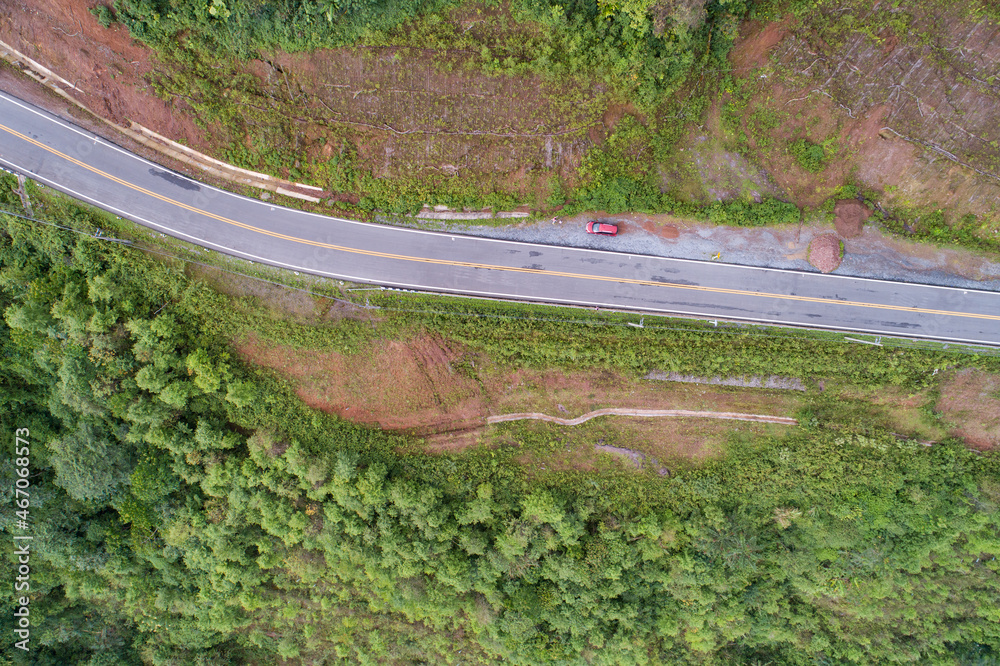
[[870, 255]]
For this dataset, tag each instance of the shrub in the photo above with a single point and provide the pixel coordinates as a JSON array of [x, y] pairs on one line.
[[810, 156], [104, 15], [742, 213]]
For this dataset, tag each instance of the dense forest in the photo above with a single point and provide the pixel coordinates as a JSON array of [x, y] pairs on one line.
[[189, 509]]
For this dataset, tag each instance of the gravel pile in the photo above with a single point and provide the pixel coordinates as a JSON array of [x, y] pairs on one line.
[[824, 252]]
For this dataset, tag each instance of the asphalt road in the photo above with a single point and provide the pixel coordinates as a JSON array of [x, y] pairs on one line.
[[82, 165]]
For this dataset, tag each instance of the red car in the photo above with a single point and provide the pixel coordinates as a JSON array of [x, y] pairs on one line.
[[602, 228]]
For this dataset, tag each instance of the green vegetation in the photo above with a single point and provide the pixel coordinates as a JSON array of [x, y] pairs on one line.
[[636, 45], [190, 509], [244, 28], [931, 225], [748, 214], [620, 176], [810, 156]]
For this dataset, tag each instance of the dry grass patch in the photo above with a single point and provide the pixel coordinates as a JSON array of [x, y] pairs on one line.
[[900, 411], [431, 117], [453, 441], [274, 298], [684, 440], [971, 400], [571, 394], [428, 119]]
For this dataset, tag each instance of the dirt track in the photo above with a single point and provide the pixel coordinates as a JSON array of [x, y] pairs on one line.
[[618, 411]]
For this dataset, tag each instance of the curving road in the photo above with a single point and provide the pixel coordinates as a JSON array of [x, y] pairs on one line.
[[49, 150]]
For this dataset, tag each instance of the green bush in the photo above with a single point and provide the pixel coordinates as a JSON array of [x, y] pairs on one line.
[[104, 15], [810, 156], [742, 213], [932, 225], [620, 194]]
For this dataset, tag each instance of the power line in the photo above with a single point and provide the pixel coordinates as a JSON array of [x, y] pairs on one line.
[[7, 211]]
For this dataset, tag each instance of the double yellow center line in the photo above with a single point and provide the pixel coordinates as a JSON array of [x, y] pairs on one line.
[[467, 264]]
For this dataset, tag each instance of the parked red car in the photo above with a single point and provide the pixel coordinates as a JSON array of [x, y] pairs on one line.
[[602, 228]]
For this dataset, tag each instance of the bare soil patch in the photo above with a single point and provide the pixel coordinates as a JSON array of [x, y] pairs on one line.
[[437, 389], [662, 226], [667, 231], [615, 112], [756, 41], [850, 216], [413, 385], [20, 85], [971, 399], [106, 64]]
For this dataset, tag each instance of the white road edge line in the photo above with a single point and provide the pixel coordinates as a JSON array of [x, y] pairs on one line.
[[762, 269], [429, 289]]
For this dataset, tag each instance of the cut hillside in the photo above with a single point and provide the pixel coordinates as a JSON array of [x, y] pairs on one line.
[[351, 119], [109, 69], [898, 102], [899, 99], [426, 385]]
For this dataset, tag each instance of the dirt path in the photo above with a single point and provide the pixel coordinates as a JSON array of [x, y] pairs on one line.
[[619, 411]]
